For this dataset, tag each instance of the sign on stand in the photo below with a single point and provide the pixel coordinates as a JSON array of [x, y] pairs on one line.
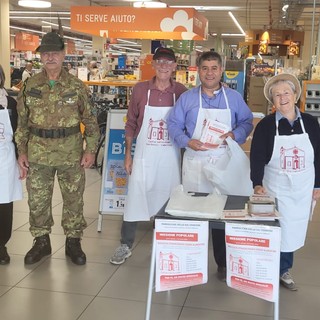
[[253, 259], [114, 177], [181, 253]]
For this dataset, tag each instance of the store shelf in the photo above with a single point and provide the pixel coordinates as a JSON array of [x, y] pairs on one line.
[[111, 92], [310, 98]]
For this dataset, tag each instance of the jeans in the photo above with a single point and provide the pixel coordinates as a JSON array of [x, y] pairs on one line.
[[128, 232], [286, 262]]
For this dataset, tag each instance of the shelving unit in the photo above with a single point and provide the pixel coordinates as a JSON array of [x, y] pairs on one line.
[[310, 97], [114, 92]]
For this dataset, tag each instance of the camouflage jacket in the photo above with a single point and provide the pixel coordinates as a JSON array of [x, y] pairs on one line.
[[64, 105]]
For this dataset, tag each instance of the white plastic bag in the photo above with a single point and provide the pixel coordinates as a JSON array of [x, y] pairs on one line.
[[230, 174]]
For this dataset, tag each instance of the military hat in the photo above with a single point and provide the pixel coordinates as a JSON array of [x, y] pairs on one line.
[[51, 42]]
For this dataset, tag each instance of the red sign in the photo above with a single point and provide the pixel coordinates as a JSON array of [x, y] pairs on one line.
[[26, 42]]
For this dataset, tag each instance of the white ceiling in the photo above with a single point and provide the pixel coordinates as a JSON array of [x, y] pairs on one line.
[[251, 14]]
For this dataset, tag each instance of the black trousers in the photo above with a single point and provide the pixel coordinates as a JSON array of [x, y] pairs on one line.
[[6, 215], [219, 246]]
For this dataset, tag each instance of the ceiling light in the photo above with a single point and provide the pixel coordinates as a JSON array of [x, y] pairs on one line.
[[149, 4], [236, 22], [285, 7], [34, 4], [208, 8]]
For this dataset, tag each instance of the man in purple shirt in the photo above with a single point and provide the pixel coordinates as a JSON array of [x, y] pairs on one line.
[[155, 169], [208, 102]]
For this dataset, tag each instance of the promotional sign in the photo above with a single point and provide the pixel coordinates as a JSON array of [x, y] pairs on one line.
[[26, 41], [181, 253], [133, 23], [253, 259], [114, 177], [235, 80]]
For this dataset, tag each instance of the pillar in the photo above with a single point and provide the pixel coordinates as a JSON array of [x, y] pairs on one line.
[[5, 40]]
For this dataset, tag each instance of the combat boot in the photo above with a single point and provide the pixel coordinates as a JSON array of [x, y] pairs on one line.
[[74, 251], [41, 248]]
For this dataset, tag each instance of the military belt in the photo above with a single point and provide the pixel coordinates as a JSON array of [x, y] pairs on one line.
[[55, 133]]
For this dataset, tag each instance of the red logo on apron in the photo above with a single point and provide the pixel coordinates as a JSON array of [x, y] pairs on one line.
[[292, 159]]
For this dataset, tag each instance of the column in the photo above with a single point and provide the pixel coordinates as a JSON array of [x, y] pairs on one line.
[[5, 40]]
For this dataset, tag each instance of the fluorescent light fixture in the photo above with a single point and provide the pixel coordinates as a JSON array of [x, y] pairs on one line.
[[34, 17], [208, 8], [40, 12], [55, 24], [232, 35], [26, 29], [34, 4], [127, 48], [149, 4], [236, 22]]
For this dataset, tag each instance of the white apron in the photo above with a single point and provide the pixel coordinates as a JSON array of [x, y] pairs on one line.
[[155, 169], [10, 185], [193, 177], [289, 176]]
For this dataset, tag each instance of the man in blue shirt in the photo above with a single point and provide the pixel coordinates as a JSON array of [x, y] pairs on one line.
[[208, 102]]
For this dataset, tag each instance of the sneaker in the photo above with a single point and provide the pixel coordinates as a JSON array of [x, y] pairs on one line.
[[222, 274], [4, 257], [287, 281], [121, 254]]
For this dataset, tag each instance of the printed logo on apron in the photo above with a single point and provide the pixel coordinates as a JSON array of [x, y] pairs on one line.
[[2, 130], [157, 133], [292, 159]]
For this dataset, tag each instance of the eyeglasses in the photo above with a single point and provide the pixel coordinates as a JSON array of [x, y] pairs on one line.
[[168, 62]]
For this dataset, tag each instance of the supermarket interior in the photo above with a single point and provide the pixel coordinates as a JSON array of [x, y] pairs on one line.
[[109, 45]]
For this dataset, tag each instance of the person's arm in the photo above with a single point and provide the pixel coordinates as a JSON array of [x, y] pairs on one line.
[[182, 119], [22, 133], [242, 125], [261, 150], [92, 132]]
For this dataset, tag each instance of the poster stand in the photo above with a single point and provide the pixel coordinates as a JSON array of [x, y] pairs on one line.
[[153, 270], [114, 178]]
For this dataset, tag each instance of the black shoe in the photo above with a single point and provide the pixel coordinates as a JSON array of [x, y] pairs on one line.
[[41, 248], [74, 251], [4, 257], [222, 274]]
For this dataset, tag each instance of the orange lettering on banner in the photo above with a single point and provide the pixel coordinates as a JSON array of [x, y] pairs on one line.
[[127, 22]]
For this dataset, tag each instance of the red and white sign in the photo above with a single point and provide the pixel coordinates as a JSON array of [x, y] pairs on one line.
[[253, 259], [181, 253]]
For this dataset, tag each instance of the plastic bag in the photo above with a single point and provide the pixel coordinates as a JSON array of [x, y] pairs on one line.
[[230, 173]]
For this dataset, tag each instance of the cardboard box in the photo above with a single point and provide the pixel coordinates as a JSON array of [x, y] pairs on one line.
[[247, 145]]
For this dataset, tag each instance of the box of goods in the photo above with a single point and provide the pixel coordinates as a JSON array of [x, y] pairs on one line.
[[261, 204]]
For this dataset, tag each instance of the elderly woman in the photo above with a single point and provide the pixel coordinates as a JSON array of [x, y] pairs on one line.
[[285, 163], [10, 186]]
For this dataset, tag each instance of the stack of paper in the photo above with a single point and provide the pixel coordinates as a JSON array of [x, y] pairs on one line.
[[182, 204]]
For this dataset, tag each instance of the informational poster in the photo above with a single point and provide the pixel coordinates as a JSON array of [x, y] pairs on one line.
[[181, 253], [114, 177], [235, 80], [253, 259]]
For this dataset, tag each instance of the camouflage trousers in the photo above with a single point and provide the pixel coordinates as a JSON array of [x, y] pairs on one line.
[[40, 183]]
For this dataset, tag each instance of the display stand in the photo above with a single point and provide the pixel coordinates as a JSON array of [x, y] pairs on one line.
[[114, 178], [213, 224], [310, 98]]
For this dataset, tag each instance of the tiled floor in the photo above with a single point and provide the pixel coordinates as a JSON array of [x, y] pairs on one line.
[[56, 289]]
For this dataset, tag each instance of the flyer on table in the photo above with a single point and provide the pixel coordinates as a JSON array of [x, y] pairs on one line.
[[253, 258], [181, 253]]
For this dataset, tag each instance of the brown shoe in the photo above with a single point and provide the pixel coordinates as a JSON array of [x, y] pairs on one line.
[[4, 257], [74, 251], [41, 248]]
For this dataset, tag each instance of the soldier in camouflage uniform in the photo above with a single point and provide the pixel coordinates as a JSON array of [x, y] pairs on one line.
[[51, 106]]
